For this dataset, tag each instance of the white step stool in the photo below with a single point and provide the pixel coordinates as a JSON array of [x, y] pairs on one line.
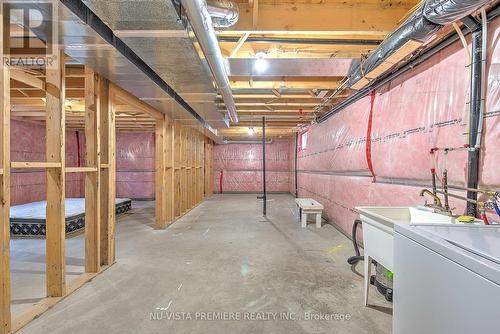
[[309, 206]]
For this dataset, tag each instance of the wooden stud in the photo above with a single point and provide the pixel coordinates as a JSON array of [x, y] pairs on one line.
[[55, 217], [184, 192], [177, 170], [107, 170], [109, 246], [5, 287], [170, 172], [92, 182], [160, 159]]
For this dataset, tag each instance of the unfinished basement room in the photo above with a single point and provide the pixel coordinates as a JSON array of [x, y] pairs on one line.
[[250, 166]]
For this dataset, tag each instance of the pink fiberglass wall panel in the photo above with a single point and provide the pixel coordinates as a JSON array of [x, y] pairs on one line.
[[339, 143], [490, 153], [422, 109], [427, 107], [28, 144], [241, 167], [135, 165]]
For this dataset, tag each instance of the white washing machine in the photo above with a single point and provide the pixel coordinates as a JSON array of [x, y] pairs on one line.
[[446, 279]]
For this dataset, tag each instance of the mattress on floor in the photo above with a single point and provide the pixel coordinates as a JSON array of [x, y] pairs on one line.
[[28, 220]]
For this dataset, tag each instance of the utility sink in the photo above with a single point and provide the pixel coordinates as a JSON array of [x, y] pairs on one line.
[[388, 216], [378, 232]]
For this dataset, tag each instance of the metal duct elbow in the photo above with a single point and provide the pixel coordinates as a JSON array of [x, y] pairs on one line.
[[444, 12], [201, 22], [224, 13]]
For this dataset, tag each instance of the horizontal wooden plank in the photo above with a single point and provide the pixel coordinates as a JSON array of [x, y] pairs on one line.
[[35, 164], [80, 169]]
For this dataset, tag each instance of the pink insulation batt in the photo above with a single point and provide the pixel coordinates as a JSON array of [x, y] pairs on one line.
[[135, 165], [241, 167], [28, 144], [426, 107]]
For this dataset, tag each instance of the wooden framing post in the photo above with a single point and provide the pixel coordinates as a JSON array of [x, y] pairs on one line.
[[183, 188], [92, 159], [108, 176], [169, 172], [177, 170], [160, 169], [55, 137], [5, 321], [208, 170]]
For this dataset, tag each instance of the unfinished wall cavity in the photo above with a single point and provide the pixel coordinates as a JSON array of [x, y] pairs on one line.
[[28, 144], [135, 165], [424, 108], [239, 167]]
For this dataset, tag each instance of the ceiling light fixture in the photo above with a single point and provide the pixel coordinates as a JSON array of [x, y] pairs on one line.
[[261, 64]]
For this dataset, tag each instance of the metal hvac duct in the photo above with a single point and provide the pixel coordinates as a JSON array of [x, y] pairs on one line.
[[431, 16], [201, 22], [224, 13]]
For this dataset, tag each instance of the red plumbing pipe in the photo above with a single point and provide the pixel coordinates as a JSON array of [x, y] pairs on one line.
[[220, 181], [369, 137], [485, 219]]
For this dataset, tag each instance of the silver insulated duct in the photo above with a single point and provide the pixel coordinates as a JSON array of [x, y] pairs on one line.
[[224, 13], [201, 22], [431, 16]]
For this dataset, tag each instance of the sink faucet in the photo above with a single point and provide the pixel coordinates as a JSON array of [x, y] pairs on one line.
[[437, 200]]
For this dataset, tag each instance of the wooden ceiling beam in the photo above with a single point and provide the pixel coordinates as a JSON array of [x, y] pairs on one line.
[[349, 17]]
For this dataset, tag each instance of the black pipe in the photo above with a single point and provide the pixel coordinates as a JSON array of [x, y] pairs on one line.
[[93, 21], [492, 14], [264, 196], [314, 41], [295, 168], [358, 257], [474, 114]]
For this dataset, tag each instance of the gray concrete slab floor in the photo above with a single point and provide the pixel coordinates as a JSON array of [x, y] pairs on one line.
[[221, 261]]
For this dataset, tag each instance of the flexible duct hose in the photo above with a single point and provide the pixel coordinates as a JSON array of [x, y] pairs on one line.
[[358, 257]]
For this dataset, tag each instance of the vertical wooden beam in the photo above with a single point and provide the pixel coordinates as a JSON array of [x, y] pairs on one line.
[[189, 164], [112, 179], [183, 187], [208, 169], [200, 167], [255, 13], [170, 171], [92, 182], [160, 168], [5, 317], [177, 169], [107, 177], [55, 217]]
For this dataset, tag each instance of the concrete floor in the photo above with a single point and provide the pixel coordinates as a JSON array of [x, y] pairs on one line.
[[223, 256]]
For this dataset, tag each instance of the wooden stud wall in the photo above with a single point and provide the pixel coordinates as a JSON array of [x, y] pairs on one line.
[[181, 169], [99, 119]]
